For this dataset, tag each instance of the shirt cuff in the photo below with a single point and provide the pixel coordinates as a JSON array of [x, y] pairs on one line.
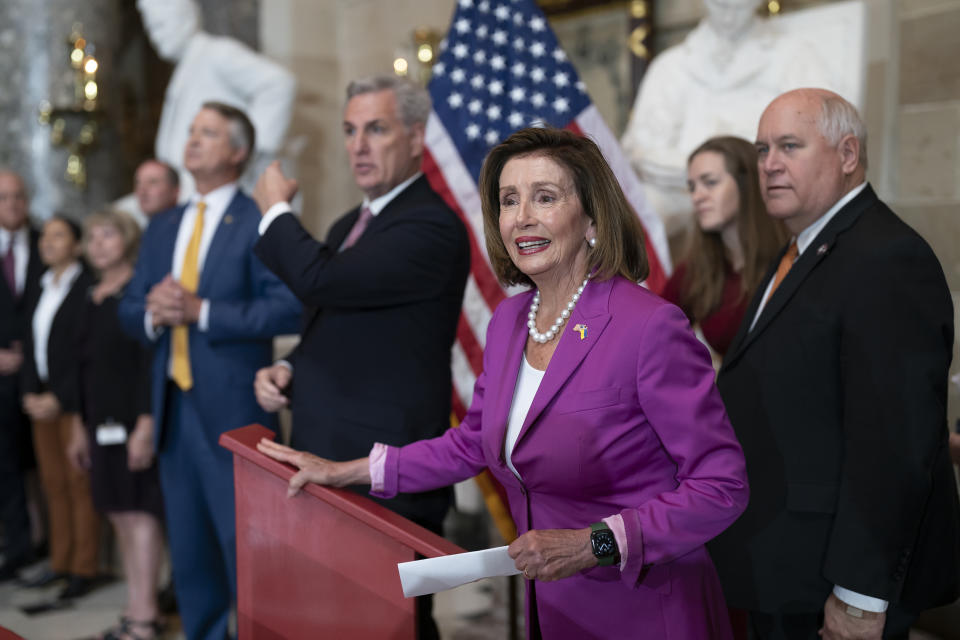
[[286, 363], [378, 463], [272, 214], [148, 328], [203, 321], [860, 601], [615, 522]]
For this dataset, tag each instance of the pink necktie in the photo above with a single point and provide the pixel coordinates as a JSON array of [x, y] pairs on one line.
[[9, 269], [358, 228]]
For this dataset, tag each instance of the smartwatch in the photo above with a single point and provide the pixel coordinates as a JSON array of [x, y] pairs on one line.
[[604, 545]]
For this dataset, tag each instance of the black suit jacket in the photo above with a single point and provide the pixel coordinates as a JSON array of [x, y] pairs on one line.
[[63, 347], [15, 447], [14, 314], [838, 397], [373, 364]]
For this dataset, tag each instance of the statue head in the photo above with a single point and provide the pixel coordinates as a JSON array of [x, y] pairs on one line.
[[730, 18], [170, 24]]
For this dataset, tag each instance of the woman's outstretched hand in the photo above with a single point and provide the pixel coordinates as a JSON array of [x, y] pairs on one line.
[[316, 469]]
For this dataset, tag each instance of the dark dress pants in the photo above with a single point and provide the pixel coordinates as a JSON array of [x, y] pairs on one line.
[[14, 441], [197, 480]]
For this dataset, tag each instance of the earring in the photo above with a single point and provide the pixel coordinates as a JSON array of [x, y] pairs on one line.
[[592, 242]]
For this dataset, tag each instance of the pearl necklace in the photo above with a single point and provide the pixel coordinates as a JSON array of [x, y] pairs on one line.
[[555, 327]]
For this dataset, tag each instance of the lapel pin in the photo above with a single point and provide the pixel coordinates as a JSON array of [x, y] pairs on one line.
[[582, 330], [822, 249], [228, 219]]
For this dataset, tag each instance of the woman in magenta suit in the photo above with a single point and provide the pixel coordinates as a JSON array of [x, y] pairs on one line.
[[605, 428]]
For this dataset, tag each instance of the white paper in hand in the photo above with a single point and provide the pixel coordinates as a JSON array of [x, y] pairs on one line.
[[421, 577]]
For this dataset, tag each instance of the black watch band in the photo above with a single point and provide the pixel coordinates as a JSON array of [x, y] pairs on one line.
[[604, 545]]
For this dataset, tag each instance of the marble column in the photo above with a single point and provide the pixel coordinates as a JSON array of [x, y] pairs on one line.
[[35, 66]]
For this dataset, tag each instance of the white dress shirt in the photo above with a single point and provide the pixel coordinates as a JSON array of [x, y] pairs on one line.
[[21, 253], [54, 291], [217, 202]]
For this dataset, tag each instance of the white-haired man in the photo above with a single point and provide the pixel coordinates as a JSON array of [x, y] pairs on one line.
[[836, 386]]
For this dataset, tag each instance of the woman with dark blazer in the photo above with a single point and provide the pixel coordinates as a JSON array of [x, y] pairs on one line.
[[50, 398]]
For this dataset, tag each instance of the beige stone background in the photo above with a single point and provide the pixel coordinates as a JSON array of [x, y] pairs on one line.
[[912, 106]]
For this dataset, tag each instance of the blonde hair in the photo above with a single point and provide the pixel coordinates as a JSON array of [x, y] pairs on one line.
[[122, 222]]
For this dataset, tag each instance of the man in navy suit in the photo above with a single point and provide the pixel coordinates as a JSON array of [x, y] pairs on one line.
[[383, 293], [211, 309]]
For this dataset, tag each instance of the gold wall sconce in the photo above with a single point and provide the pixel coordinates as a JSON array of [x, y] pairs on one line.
[[75, 126]]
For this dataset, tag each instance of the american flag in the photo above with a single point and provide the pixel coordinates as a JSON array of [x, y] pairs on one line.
[[502, 69]]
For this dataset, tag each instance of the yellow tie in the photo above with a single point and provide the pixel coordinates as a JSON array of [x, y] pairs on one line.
[[189, 279]]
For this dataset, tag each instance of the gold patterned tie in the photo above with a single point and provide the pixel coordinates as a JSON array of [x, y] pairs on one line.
[[189, 279]]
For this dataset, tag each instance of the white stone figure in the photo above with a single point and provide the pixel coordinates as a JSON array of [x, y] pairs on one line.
[[718, 81], [217, 68]]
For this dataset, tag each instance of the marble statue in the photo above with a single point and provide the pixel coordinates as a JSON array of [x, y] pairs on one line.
[[217, 68], [718, 81]]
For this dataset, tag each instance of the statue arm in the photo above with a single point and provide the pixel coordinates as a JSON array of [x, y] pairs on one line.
[[263, 87]]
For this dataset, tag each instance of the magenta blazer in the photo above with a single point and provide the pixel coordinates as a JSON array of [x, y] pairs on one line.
[[626, 420]]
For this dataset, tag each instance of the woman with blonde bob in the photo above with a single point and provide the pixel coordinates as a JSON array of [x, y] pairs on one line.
[[113, 436], [731, 243], [595, 409]]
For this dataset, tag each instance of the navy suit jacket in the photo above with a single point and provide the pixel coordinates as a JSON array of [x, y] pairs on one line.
[[373, 363], [248, 307]]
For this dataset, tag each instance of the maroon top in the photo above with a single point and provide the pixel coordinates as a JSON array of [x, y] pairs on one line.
[[720, 327]]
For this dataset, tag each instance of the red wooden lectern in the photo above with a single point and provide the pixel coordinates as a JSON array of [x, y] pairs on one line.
[[322, 564]]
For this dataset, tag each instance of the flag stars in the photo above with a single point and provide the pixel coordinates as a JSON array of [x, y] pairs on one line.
[[518, 19], [538, 100], [458, 75], [484, 7], [492, 137], [537, 24], [538, 74], [499, 37], [439, 69], [518, 69], [518, 94], [559, 55], [537, 49], [465, 4], [519, 44], [582, 88], [496, 88], [493, 112], [482, 31], [475, 106], [561, 105], [480, 56], [472, 131], [497, 62], [502, 12], [461, 50], [561, 79], [515, 119], [476, 82], [455, 100], [462, 25]]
